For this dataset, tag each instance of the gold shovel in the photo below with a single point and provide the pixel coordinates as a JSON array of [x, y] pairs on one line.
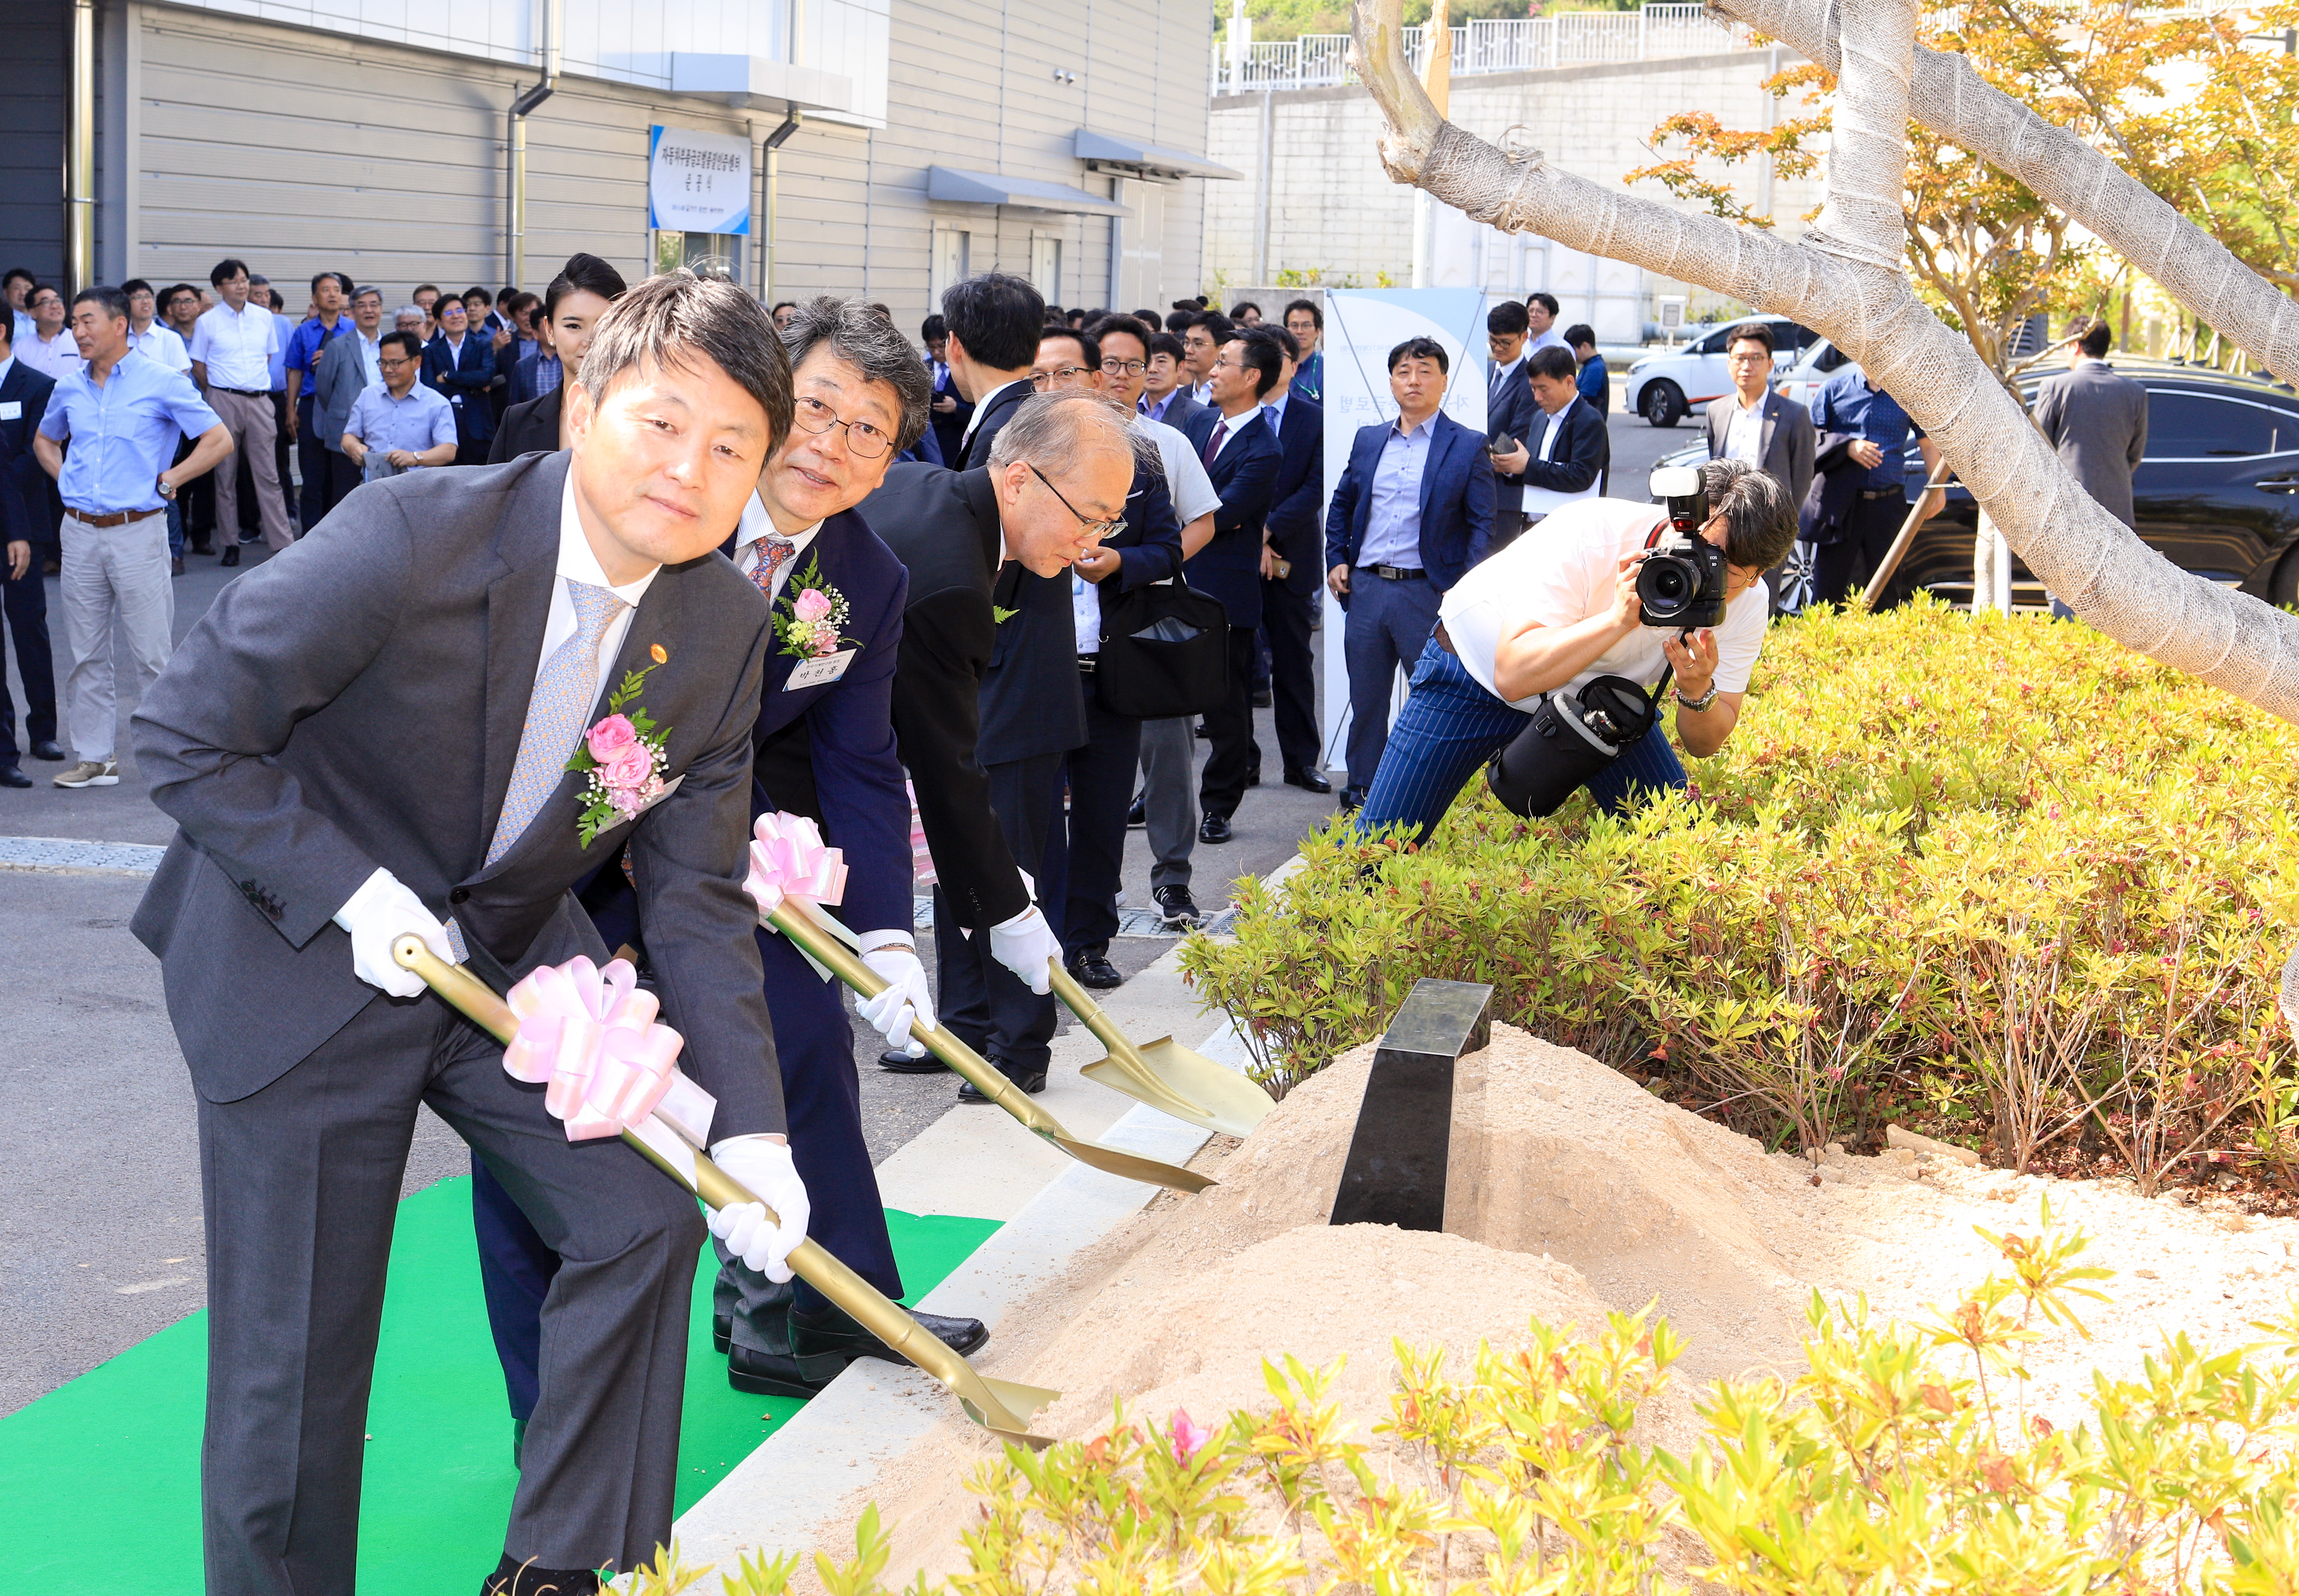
[[993, 1404], [989, 1080], [1169, 1077]]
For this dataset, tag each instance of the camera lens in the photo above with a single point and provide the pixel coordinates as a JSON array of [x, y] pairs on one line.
[[1669, 585]]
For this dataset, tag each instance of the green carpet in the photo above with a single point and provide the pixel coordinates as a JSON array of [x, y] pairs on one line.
[[99, 1479]]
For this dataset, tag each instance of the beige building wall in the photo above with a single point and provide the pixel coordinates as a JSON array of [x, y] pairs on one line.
[[1332, 209]]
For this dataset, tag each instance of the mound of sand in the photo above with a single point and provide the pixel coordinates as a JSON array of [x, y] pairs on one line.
[[1572, 1192]]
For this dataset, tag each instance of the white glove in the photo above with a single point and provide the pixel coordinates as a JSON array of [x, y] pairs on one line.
[[382, 911], [762, 1165], [894, 959], [1026, 944]]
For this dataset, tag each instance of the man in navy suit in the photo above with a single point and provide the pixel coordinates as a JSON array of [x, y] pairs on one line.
[[1510, 415], [460, 364], [1415, 501], [1290, 567], [824, 747], [23, 592], [950, 412], [1566, 453], [993, 323], [1242, 457]]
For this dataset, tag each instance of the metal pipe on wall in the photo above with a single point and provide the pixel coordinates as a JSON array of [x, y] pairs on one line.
[[793, 119], [515, 146], [79, 151]]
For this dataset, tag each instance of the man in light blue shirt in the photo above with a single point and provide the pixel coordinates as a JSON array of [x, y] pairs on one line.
[[121, 416], [399, 424]]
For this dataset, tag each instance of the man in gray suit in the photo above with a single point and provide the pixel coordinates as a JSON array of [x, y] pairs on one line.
[[1772, 433], [2098, 421], [347, 365], [372, 730]]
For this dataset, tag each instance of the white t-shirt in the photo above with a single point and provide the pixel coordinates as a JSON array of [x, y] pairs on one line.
[[1564, 571]]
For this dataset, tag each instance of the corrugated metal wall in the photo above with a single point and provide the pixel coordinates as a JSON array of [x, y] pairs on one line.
[[303, 151], [34, 70]]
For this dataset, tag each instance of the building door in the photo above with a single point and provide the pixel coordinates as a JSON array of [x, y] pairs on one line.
[[1046, 266], [951, 262], [1137, 246]]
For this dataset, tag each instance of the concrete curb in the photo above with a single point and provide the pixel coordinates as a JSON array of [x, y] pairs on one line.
[[844, 1440]]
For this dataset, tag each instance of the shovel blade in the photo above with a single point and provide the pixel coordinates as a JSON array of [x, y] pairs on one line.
[[1218, 1098], [1132, 1166], [1009, 1408]]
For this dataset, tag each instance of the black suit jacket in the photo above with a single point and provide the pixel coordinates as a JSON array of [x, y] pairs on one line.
[[942, 526], [1511, 411], [1149, 545], [465, 379], [29, 391], [358, 700], [995, 415], [1297, 526], [947, 430], [1245, 475], [1788, 442], [529, 428]]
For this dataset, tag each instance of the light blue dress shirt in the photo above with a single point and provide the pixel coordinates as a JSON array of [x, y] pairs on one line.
[[424, 420], [1393, 524], [122, 434]]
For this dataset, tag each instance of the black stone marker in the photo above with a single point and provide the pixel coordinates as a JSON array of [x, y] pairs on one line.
[[1396, 1169]]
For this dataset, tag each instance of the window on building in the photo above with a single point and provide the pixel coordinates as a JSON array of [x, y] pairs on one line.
[[1046, 267], [954, 250]]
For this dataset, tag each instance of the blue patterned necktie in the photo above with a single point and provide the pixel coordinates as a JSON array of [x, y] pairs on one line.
[[774, 552], [564, 691]]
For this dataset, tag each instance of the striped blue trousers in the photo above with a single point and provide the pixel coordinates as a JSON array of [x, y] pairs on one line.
[[1449, 727]]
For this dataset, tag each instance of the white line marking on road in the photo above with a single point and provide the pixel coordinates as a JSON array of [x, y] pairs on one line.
[[150, 1285]]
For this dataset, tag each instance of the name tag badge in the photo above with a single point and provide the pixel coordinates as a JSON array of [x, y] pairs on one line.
[[12, 409], [815, 673]]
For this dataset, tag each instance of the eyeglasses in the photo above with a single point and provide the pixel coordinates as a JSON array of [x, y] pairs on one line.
[[1099, 530], [1039, 380], [393, 365], [1118, 368], [867, 441]]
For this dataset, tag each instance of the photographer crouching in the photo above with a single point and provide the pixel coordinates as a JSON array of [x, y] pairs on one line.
[[1551, 659]]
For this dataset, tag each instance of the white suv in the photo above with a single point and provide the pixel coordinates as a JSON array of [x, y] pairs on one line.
[[1664, 389]]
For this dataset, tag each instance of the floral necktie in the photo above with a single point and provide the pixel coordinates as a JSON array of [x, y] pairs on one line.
[[774, 552]]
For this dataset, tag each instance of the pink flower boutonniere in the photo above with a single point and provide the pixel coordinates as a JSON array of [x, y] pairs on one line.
[[623, 755], [809, 614]]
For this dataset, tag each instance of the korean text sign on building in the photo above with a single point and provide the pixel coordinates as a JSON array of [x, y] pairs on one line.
[[698, 182]]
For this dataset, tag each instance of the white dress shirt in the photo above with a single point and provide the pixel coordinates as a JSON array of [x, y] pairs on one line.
[[160, 342], [755, 524], [577, 563], [1192, 491], [58, 357], [982, 409], [1744, 439], [237, 346], [1234, 425], [370, 354]]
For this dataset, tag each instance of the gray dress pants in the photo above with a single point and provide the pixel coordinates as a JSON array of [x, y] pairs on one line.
[[301, 1184], [1169, 798]]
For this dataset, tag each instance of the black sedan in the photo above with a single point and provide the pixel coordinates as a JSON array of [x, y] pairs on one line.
[[2217, 492]]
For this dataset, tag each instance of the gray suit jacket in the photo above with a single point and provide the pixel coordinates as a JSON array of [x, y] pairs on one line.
[[2098, 422], [358, 701], [342, 374], [1788, 440]]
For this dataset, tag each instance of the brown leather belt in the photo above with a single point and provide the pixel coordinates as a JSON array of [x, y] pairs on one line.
[[119, 518]]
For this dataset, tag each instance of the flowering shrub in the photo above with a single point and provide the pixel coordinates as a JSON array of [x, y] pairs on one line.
[[1903, 1460], [2003, 857]]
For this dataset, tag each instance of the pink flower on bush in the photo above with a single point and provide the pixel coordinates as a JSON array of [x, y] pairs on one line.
[[1189, 1436], [611, 736], [631, 768], [812, 604]]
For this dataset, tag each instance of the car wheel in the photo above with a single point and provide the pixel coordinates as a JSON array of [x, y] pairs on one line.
[[2283, 586], [1662, 403]]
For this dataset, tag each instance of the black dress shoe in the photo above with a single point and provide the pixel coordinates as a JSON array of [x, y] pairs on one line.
[[780, 1374], [1309, 781], [1253, 776], [1214, 829], [50, 750], [1031, 1081], [895, 1061], [11, 776], [831, 1333], [1092, 970], [1352, 798], [1137, 816], [1198, 731], [231, 555], [1261, 700], [722, 1331], [176, 566], [512, 1577]]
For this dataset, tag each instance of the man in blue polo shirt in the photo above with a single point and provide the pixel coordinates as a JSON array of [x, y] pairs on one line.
[[399, 424], [121, 418], [331, 291], [1853, 515]]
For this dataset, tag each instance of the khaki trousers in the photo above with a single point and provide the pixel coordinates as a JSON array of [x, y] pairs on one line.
[[256, 433]]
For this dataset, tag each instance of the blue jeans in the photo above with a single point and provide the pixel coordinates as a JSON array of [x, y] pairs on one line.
[[1451, 726]]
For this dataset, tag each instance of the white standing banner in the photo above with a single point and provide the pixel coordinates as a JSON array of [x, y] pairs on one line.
[[698, 182], [1362, 326]]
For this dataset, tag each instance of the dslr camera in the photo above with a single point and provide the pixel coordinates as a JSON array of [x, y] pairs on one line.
[[1681, 585]]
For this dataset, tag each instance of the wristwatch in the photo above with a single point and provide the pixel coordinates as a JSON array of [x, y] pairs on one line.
[[1698, 704]]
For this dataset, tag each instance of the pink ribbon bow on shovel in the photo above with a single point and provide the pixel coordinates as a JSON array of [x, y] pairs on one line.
[[588, 1036], [789, 860]]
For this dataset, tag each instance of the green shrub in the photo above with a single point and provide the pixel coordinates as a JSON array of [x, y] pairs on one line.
[[2004, 858], [1904, 1461]]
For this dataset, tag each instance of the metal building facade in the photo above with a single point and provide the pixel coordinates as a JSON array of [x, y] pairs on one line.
[[370, 136]]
